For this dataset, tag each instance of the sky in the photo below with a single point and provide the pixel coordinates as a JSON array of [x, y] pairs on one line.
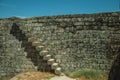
[[30, 8]]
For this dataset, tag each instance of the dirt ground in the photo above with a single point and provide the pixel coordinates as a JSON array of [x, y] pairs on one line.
[[39, 76]]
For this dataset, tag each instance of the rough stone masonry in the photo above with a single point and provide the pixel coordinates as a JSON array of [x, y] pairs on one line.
[[73, 41]]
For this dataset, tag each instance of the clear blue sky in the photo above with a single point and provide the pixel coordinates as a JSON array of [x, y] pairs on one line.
[[29, 8]]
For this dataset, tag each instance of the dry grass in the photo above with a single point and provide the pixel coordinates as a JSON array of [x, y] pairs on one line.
[[33, 76], [84, 74]]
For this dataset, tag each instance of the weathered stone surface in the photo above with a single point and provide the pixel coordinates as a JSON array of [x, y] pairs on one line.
[[12, 58], [74, 41]]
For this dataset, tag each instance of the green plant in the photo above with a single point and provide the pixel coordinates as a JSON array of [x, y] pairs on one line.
[[87, 73]]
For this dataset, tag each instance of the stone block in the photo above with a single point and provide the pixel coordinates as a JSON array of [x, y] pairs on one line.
[[54, 66], [58, 71], [43, 53], [40, 47], [51, 61], [47, 57], [31, 39], [36, 43]]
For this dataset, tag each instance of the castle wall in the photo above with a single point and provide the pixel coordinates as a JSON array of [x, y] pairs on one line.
[[75, 41], [78, 41], [12, 56]]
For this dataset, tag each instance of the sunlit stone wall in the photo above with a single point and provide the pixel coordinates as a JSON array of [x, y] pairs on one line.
[[78, 41]]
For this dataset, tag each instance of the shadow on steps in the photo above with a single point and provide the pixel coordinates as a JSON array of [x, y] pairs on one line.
[[32, 53]]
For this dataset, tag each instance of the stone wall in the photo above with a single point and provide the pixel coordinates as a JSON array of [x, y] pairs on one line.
[[77, 41], [12, 57]]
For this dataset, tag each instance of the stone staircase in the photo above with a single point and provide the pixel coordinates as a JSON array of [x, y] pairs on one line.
[[44, 53], [36, 51]]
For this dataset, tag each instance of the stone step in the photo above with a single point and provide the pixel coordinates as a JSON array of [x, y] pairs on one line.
[[58, 71], [36, 67], [28, 35], [39, 48], [54, 66], [31, 39], [51, 61], [36, 43], [43, 53], [25, 54], [47, 57]]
